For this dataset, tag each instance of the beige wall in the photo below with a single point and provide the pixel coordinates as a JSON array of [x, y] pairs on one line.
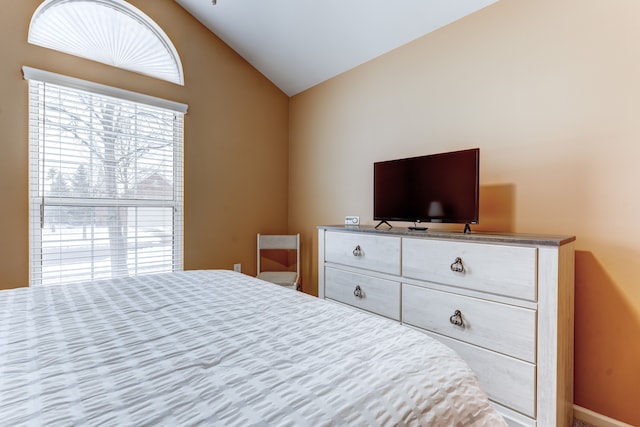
[[550, 92], [236, 139]]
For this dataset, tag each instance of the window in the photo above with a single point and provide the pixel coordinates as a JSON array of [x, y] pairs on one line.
[[112, 32], [106, 181]]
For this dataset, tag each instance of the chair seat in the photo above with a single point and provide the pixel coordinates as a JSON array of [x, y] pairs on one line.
[[283, 278]]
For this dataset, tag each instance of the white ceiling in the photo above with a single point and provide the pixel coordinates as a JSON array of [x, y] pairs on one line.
[[299, 43]]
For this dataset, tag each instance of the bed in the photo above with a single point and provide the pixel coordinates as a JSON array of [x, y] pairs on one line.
[[215, 347]]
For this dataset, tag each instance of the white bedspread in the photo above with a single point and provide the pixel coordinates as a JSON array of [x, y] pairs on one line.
[[220, 348]]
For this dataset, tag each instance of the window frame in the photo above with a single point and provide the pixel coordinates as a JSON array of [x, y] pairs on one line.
[[118, 33], [38, 201]]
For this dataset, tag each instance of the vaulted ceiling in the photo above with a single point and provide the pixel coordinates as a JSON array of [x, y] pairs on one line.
[[300, 43]]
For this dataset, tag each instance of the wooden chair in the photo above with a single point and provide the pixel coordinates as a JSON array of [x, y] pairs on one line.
[[289, 279]]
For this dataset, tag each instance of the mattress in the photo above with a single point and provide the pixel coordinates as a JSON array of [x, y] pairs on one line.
[[217, 347]]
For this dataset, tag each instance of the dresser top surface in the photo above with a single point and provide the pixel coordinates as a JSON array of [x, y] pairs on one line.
[[474, 236]]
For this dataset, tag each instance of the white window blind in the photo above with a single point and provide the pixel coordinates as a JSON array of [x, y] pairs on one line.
[[109, 31], [106, 185]]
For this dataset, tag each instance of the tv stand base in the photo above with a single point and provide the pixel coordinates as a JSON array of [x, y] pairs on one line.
[[383, 222]]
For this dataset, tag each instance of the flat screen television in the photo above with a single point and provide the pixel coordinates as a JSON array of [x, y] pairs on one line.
[[441, 188]]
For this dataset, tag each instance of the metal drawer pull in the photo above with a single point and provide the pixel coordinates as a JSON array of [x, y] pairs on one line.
[[456, 319], [457, 266], [358, 292], [357, 251]]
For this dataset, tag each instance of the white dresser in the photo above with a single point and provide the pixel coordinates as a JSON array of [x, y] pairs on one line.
[[504, 302]]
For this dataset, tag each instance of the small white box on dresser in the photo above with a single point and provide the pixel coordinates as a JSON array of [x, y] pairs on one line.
[[352, 220], [504, 302]]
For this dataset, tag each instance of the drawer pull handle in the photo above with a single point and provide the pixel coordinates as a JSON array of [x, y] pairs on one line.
[[457, 266], [456, 319], [358, 292], [357, 251]]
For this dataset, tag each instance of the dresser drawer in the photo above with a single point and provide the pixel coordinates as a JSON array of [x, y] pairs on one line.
[[378, 253], [498, 269], [499, 327], [507, 381], [379, 296]]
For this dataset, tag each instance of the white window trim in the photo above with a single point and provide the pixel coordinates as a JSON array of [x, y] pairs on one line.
[[71, 82], [104, 90]]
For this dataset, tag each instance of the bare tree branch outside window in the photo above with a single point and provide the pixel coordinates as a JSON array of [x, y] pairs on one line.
[[109, 182]]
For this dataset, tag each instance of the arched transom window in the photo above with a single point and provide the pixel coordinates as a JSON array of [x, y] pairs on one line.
[[109, 31]]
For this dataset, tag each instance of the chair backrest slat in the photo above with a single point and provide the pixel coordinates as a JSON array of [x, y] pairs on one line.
[[278, 242]]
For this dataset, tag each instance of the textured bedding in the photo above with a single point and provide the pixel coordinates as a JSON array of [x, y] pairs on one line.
[[220, 348]]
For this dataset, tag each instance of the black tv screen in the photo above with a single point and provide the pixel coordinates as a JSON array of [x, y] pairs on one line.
[[434, 188]]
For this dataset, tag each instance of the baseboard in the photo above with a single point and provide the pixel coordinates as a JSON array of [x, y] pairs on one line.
[[596, 419]]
